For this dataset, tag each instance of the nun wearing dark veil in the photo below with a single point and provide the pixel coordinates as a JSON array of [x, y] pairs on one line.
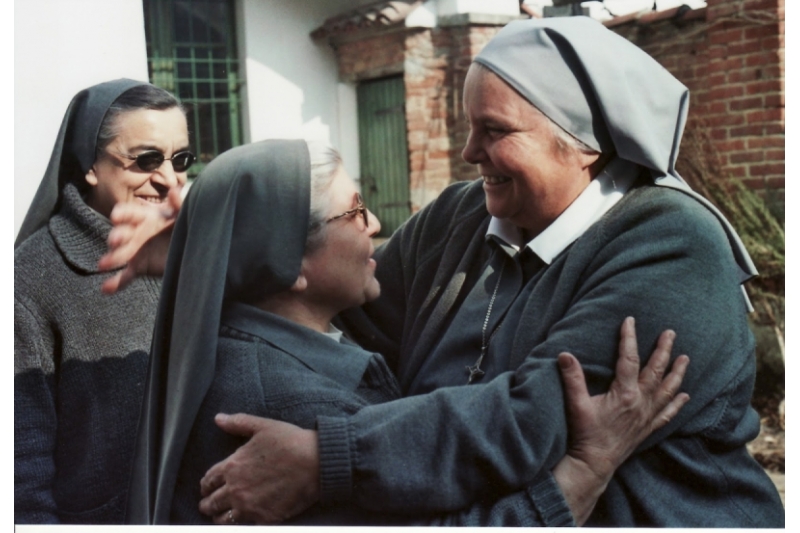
[[579, 220], [80, 356], [271, 243]]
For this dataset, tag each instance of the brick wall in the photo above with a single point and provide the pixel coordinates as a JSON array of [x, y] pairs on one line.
[[731, 56]]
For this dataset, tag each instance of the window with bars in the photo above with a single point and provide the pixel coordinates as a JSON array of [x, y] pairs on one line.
[[191, 51]]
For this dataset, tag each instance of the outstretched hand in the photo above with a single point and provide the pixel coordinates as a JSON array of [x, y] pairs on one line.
[[605, 429], [269, 479], [139, 240]]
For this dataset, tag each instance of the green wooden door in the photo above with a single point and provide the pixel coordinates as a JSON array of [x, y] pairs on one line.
[[384, 151]]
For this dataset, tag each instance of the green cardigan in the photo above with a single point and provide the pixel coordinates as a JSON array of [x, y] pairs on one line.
[[658, 255]]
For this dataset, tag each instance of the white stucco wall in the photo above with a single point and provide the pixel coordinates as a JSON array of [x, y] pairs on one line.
[[292, 85], [61, 47]]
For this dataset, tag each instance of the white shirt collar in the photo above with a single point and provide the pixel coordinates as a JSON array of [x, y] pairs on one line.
[[603, 192], [334, 333]]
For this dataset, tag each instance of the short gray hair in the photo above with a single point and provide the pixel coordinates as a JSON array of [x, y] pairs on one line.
[[565, 141], [325, 162]]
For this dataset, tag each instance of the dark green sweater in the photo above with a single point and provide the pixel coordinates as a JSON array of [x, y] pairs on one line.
[[659, 256]]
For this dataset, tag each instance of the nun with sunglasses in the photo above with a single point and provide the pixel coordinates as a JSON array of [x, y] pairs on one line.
[[80, 356]]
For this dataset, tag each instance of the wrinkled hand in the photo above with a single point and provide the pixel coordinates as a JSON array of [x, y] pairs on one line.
[[140, 240], [605, 429], [271, 478]]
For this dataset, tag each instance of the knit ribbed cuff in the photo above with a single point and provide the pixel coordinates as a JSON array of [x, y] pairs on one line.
[[549, 502], [335, 467]]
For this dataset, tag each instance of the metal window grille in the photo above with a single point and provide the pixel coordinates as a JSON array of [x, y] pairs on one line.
[[191, 51]]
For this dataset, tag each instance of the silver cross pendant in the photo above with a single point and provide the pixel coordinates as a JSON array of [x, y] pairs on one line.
[[475, 371]]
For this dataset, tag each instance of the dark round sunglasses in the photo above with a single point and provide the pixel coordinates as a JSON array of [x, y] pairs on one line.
[[152, 159]]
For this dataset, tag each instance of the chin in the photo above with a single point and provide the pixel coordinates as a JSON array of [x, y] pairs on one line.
[[372, 291], [498, 209]]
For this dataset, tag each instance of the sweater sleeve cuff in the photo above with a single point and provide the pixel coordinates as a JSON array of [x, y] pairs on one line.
[[549, 502], [335, 466]]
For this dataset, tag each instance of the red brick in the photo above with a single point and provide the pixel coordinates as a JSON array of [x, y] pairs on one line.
[[747, 157], [775, 155], [719, 134], [765, 115], [739, 76], [772, 43], [718, 107], [746, 131], [725, 65], [762, 59], [775, 100], [765, 30], [775, 129], [767, 5], [726, 92], [717, 52], [743, 48], [725, 120], [770, 168], [766, 86], [717, 79], [731, 146], [766, 142], [747, 103]]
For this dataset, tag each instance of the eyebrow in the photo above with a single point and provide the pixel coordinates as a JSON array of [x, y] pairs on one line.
[[151, 147]]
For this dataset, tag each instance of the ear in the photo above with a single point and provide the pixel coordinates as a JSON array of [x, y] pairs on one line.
[[91, 177], [300, 284]]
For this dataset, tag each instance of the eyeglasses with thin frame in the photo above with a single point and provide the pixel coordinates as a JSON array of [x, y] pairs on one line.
[[152, 159], [359, 208]]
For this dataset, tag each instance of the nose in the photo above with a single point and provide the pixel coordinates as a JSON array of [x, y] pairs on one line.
[[472, 150], [374, 224], [166, 175]]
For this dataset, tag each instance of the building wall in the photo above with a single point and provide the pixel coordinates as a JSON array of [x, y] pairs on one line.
[[292, 86], [433, 62], [731, 56], [60, 48]]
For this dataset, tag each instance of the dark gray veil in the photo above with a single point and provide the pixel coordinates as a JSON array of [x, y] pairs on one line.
[[605, 91], [74, 150], [240, 236]]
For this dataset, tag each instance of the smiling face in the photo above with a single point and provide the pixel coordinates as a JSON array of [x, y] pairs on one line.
[[529, 177], [114, 178], [341, 272]]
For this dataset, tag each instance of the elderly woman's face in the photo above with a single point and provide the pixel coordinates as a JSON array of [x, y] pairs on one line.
[[341, 273], [115, 178], [527, 178]]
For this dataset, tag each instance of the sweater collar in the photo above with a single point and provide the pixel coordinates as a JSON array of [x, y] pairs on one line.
[[342, 362], [79, 231]]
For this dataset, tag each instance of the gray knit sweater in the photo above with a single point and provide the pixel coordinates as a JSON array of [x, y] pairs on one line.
[[79, 366]]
